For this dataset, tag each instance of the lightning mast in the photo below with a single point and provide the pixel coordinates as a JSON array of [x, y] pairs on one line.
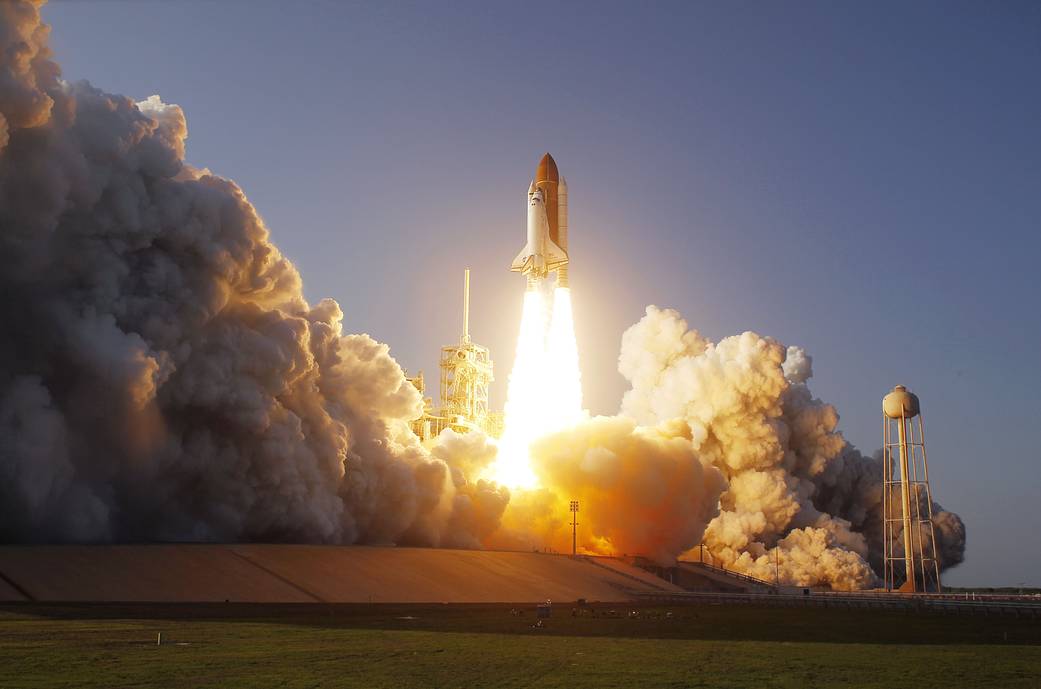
[[466, 373]]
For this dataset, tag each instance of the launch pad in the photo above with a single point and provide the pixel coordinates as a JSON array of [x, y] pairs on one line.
[[270, 573]]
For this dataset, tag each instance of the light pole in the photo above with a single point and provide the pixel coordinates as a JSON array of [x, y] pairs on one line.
[[574, 528]]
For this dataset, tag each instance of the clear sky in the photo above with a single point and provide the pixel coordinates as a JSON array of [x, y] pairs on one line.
[[860, 179]]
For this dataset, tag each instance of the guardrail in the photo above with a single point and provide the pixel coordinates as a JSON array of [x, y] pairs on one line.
[[902, 602], [609, 568], [965, 597], [728, 572]]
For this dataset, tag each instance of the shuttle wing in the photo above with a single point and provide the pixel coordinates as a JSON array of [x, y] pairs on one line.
[[555, 256], [525, 261]]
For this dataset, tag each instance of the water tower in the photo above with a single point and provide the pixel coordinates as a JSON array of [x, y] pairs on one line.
[[911, 561]]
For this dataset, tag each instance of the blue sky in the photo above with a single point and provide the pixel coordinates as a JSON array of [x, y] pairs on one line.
[[860, 179]]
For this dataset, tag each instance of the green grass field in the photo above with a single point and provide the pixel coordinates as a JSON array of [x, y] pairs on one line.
[[487, 646]]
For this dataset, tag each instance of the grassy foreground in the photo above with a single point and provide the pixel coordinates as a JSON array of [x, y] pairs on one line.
[[477, 646]]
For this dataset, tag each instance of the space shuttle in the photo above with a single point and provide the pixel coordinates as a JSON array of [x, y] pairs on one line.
[[546, 249]]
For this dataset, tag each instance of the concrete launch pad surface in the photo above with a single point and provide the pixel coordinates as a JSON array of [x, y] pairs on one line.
[[9, 593], [308, 573]]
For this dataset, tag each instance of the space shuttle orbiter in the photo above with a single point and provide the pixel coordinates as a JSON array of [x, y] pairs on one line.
[[546, 248]]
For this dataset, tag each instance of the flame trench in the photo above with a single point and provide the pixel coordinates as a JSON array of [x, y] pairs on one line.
[[545, 390]]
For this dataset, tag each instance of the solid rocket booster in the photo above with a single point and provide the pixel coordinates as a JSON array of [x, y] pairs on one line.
[[546, 248]]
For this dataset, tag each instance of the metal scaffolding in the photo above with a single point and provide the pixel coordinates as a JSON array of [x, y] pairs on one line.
[[466, 373]]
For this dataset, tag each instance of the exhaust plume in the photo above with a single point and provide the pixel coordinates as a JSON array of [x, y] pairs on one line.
[[163, 378], [640, 490], [799, 498], [161, 374]]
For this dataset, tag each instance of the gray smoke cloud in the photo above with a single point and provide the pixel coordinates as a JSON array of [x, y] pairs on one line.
[[799, 498], [161, 374], [162, 377]]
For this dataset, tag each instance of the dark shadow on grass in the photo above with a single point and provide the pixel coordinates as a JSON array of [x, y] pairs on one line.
[[693, 621]]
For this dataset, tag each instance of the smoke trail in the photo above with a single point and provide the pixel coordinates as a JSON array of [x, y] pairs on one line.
[[720, 443], [798, 496], [161, 374], [162, 377], [640, 490]]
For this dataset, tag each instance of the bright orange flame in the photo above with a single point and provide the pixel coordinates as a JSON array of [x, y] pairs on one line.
[[545, 390]]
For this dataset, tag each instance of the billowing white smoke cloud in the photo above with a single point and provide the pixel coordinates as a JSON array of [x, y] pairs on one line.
[[479, 504], [799, 497], [161, 375]]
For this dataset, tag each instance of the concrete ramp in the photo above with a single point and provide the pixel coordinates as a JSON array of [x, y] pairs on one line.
[[426, 575], [145, 573], [699, 576], [641, 576], [306, 573], [9, 593]]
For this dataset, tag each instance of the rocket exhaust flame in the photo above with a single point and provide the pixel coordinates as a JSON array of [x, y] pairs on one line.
[[238, 411], [565, 393], [716, 443], [524, 410], [544, 393], [545, 388]]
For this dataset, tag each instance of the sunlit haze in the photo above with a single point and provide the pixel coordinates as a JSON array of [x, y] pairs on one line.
[[863, 184]]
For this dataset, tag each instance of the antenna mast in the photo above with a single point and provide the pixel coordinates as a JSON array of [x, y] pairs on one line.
[[466, 307]]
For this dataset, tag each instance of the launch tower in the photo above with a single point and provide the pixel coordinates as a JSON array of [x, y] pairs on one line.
[[911, 561], [466, 373]]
